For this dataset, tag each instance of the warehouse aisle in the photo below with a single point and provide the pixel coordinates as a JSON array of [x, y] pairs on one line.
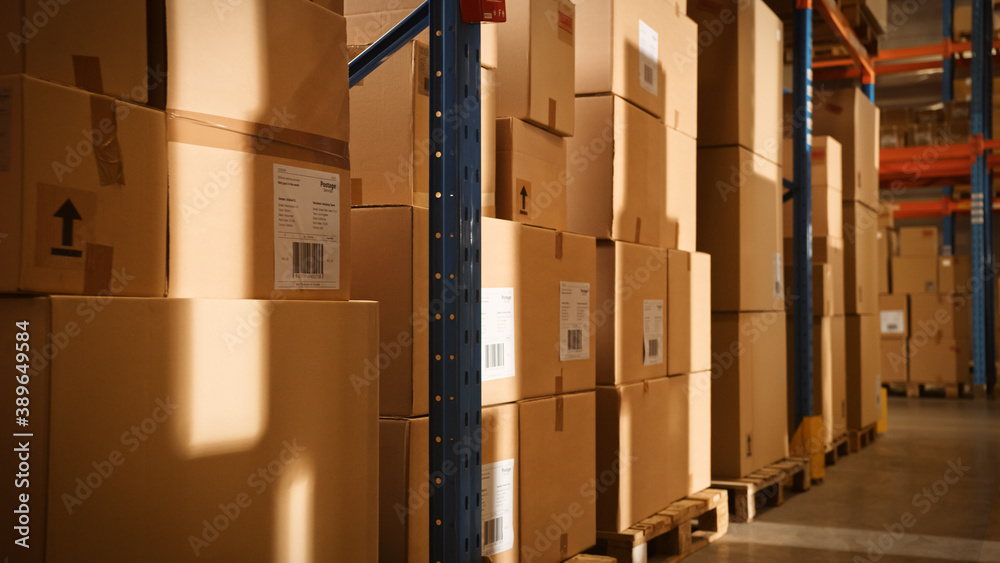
[[898, 483]]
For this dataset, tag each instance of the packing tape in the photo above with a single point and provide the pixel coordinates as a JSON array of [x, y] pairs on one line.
[[559, 414], [552, 113], [559, 246], [559, 382], [267, 134], [97, 268], [638, 229], [87, 73], [104, 137], [356, 192], [645, 386], [188, 132], [563, 546]]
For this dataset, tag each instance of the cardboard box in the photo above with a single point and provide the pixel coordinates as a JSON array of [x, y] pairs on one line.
[[336, 6], [635, 442], [851, 118], [631, 321], [680, 229], [160, 422], [79, 219], [274, 217], [625, 50], [739, 224], [826, 250], [894, 317], [822, 380], [558, 457], [535, 64], [822, 290], [488, 140], [932, 315], [863, 365], [954, 274], [884, 285], [914, 274], [275, 69], [615, 172], [689, 312], [530, 174], [827, 213], [391, 142], [404, 498], [681, 67], [749, 396], [699, 428], [918, 241], [860, 259], [895, 360], [934, 361], [56, 42], [739, 76], [962, 323], [838, 347], [886, 218]]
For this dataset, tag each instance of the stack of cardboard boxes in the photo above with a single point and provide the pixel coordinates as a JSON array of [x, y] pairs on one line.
[[926, 317], [850, 118], [829, 353], [205, 424], [739, 224]]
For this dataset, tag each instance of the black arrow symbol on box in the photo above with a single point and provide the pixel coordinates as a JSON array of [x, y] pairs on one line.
[[68, 213], [524, 197]]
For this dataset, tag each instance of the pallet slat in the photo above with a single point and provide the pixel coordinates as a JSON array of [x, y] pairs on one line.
[[765, 487]]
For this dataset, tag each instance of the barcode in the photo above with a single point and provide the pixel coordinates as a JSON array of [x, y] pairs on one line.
[[654, 348], [647, 73], [574, 340], [492, 531], [307, 258], [494, 355]]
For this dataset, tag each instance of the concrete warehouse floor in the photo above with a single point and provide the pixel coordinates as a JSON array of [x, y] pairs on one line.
[[892, 502]]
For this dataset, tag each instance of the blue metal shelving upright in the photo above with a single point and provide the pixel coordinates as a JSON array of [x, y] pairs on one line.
[[947, 95]]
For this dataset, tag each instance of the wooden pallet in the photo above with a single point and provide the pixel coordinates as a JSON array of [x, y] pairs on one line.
[[861, 438], [765, 487], [949, 390], [837, 449], [673, 533]]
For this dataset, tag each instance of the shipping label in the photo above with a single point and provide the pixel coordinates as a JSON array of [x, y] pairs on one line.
[[306, 228], [498, 507], [498, 333], [649, 52], [893, 322], [574, 321], [652, 332], [779, 277]]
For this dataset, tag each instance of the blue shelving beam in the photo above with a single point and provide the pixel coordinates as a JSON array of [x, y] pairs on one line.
[[802, 209], [947, 95], [984, 370], [455, 207]]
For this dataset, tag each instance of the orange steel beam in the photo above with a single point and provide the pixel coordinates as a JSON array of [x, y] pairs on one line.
[[842, 29], [943, 49], [932, 165], [933, 208]]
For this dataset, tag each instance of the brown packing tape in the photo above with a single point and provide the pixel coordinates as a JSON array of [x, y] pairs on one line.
[[180, 130], [87, 74], [104, 136], [559, 414], [266, 135], [552, 113], [645, 386], [357, 192], [559, 382], [638, 229], [559, 246], [97, 270]]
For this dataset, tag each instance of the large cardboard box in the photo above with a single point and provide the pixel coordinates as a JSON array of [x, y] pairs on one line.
[[934, 361], [635, 442], [914, 274], [558, 489], [860, 259], [615, 172], [488, 140], [822, 380], [169, 429], [631, 318], [689, 312], [838, 355], [827, 211], [535, 63], [391, 143], [625, 51], [894, 319], [822, 290], [273, 217], [918, 241], [749, 395], [404, 495], [739, 76], [697, 387], [83, 206], [275, 69], [962, 322], [851, 118], [954, 274], [863, 365], [57, 42], [830, 251], [739, 224], [933, 315], [680, 229], [681, 66], [882, 236], [895, 360], [530, 174]]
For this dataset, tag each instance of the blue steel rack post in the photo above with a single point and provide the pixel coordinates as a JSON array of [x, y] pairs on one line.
[[455, 273], [947, 95]]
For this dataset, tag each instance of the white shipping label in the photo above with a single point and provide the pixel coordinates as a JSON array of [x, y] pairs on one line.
[[649, 53], [498, 333], [779, 277], [306, 228], [893, 322], [498, 507], [574, 321], [652, 332]]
